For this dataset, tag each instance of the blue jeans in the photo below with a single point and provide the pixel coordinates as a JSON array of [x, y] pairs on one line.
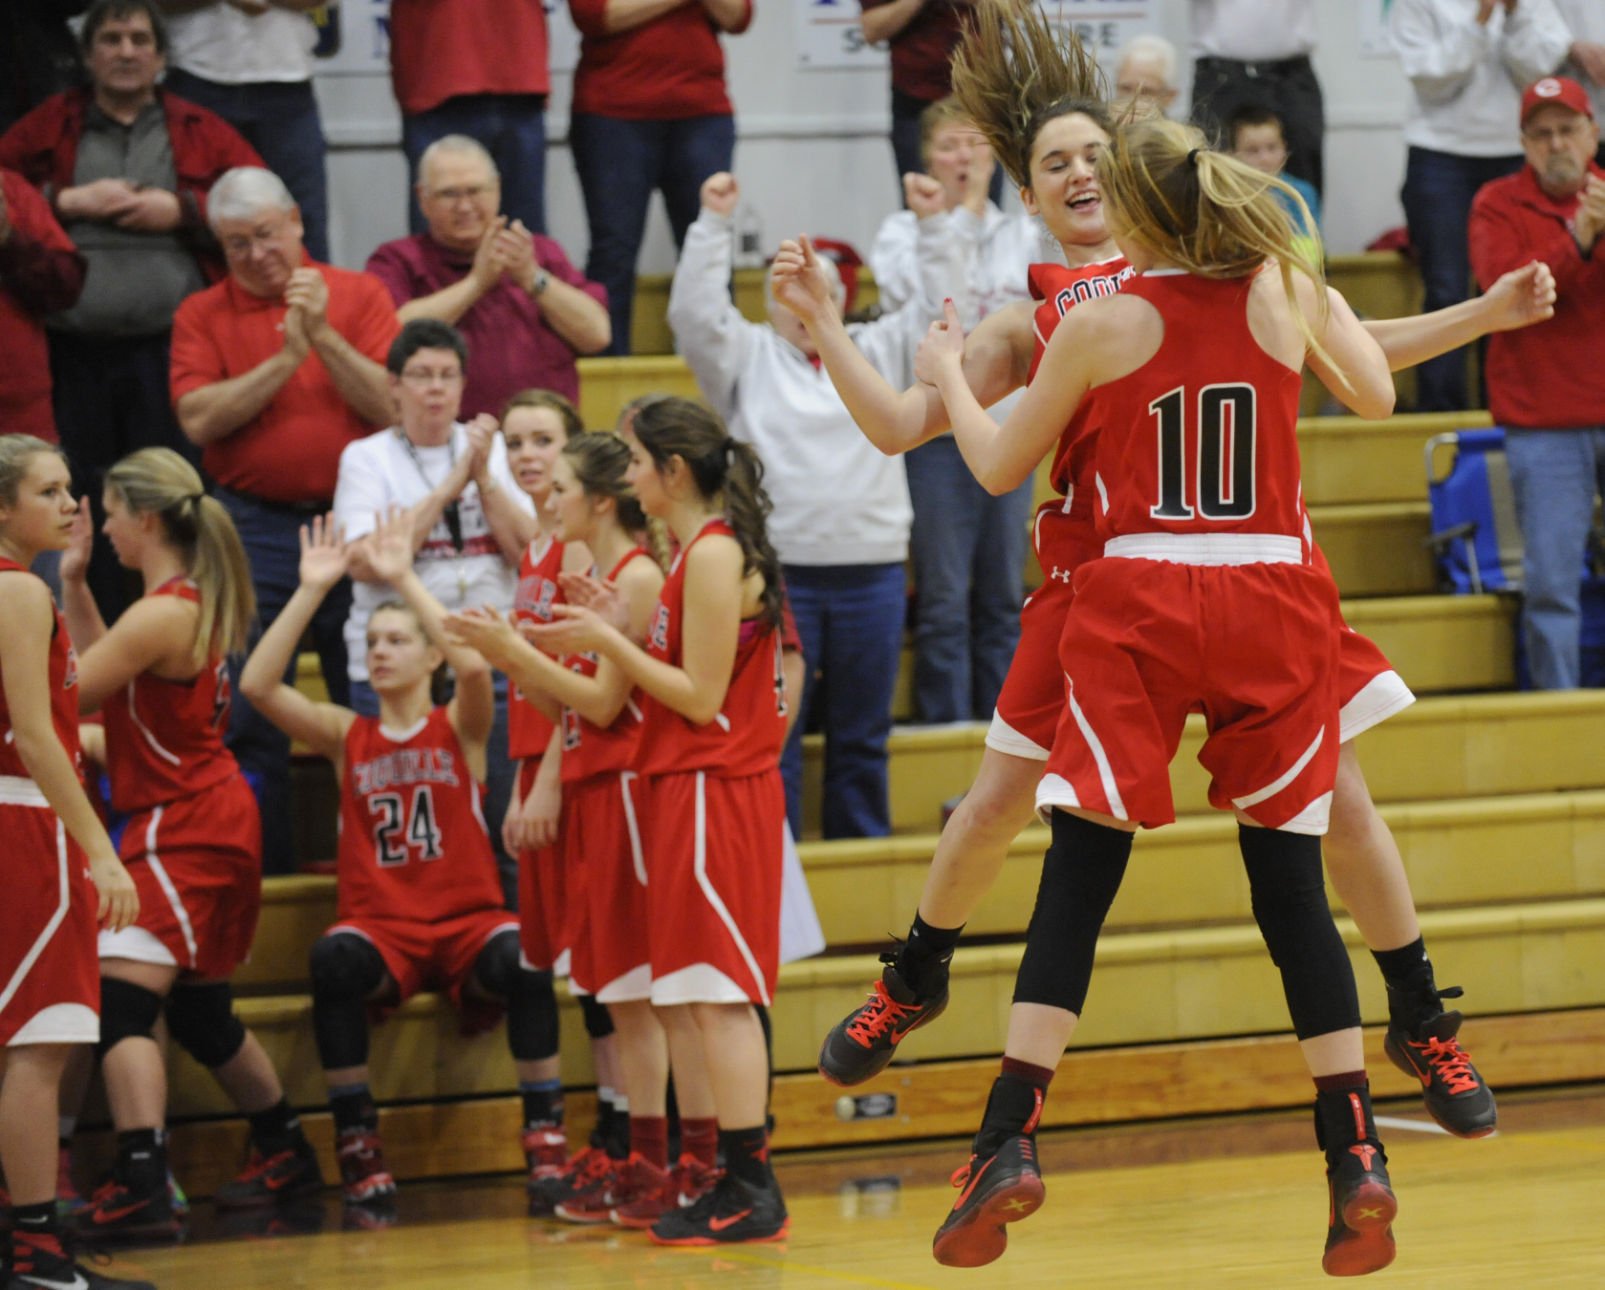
[[500, 771], [1555, 475], [620, 163], [968, 549], [850, 618], [272, 541], [1438, 188], [280, 120], [512, 127]]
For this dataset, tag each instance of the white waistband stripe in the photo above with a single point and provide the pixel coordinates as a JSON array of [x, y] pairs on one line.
[[19, 790], [1208, 548]]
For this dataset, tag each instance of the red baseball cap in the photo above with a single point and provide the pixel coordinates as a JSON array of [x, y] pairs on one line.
[[1555, 89]]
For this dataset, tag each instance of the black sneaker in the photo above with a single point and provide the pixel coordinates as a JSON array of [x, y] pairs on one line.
[[268, 1180], [862, 1044], [119, 1212], [733, 1213], [1359, 1227], [45, 1265], [997, 1189], [1456, 1096]]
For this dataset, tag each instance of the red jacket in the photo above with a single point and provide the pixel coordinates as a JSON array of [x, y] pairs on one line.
[[1548, 376], [44, 147], [40, 272]]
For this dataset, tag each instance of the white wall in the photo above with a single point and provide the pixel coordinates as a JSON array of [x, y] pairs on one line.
[[812, 152]]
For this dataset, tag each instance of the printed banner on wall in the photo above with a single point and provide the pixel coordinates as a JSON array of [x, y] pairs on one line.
[[829, 34]]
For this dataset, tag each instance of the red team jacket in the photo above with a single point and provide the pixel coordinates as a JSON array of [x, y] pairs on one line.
[[167, 736], [744, 739], [413, 844]]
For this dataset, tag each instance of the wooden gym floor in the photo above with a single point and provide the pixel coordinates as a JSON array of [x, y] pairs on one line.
[[1236, 1201]]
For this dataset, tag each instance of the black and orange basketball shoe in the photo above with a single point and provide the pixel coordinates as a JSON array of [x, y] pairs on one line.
[[736, 1211], [1359, 1229], [1422, 1041], [272, 1179], [997, 1188], [861, 1045]]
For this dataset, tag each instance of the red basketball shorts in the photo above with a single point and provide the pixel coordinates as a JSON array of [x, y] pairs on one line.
[[434, 955], [197, 863], [713, 848], [543, 894], [602, 832], [1251, 646], [1032, 696], [49, 974]]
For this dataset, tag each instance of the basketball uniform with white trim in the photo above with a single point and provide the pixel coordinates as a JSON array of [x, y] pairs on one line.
[[49, 973], [543, 913], [714, 811], [1062, 535], [1207, 597], [192, 842], [603, 863]]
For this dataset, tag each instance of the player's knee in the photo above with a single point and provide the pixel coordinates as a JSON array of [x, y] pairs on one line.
[[497, 970], [344, 965], [203, 1023], [598, 1020], [127, 1011]]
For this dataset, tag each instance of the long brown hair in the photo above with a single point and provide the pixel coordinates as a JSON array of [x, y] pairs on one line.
[[1013, 73], [722, 469], [599, 460], [157, 481], [1203, 210]]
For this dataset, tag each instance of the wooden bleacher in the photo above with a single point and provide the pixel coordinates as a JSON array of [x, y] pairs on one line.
[[1497, 801]]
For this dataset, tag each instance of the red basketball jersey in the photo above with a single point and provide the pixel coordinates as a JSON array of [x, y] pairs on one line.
[[589, 749], [1202, 438], [1060, 289], [63, 672], [744, 739], [413, 843], [164, 739], [529, 729]]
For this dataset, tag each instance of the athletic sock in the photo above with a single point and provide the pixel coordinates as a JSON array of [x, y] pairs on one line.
[[142, 1160], [353, 1107], [276, 1129], [543, 1101], [649, 1138], [1014, 1105], [923, 960], [746, 1154], [36, 1231], [699, 1139]]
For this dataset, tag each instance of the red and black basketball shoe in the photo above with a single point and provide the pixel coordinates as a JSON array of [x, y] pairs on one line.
[[1429, 1050], [861, 1045], [997, 1189], [1359, 1228]]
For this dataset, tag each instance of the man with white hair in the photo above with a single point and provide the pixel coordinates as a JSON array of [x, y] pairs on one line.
[[274, 371], [1145, 71], [526, 313]]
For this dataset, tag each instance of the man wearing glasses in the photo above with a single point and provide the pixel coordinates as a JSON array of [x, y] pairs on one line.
[[1546, 385], [274, 371], [525, 311], [467, 514]]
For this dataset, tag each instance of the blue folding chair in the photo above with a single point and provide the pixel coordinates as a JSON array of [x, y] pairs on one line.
[[1475, 538]]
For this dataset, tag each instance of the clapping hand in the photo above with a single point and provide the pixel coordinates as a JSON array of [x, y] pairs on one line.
[[943, 346], [721, 193], [923, 195], [573, 630], [586, 591], [484, 630], [801, 282], [323, 553], [389, 547]]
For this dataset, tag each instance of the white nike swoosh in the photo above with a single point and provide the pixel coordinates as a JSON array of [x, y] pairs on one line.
[[77, 1282], [686, 1200]]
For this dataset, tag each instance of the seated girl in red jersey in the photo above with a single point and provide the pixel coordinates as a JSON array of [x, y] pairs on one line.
[[61, 872], [420, 902], [600, 838], [535, 426], [192, 841], [1207, 597], [711, 806], [1013, 68]]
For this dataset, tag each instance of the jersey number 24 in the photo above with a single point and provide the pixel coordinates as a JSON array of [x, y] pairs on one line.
[[399, 830]]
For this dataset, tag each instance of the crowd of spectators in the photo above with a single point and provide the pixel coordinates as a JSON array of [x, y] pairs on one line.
[[164, 280]]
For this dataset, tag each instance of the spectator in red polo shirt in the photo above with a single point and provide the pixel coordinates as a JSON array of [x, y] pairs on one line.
[[126, 167], [650, 112], [275, 370], [1546, 385], [480, 68], [525, 311]]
